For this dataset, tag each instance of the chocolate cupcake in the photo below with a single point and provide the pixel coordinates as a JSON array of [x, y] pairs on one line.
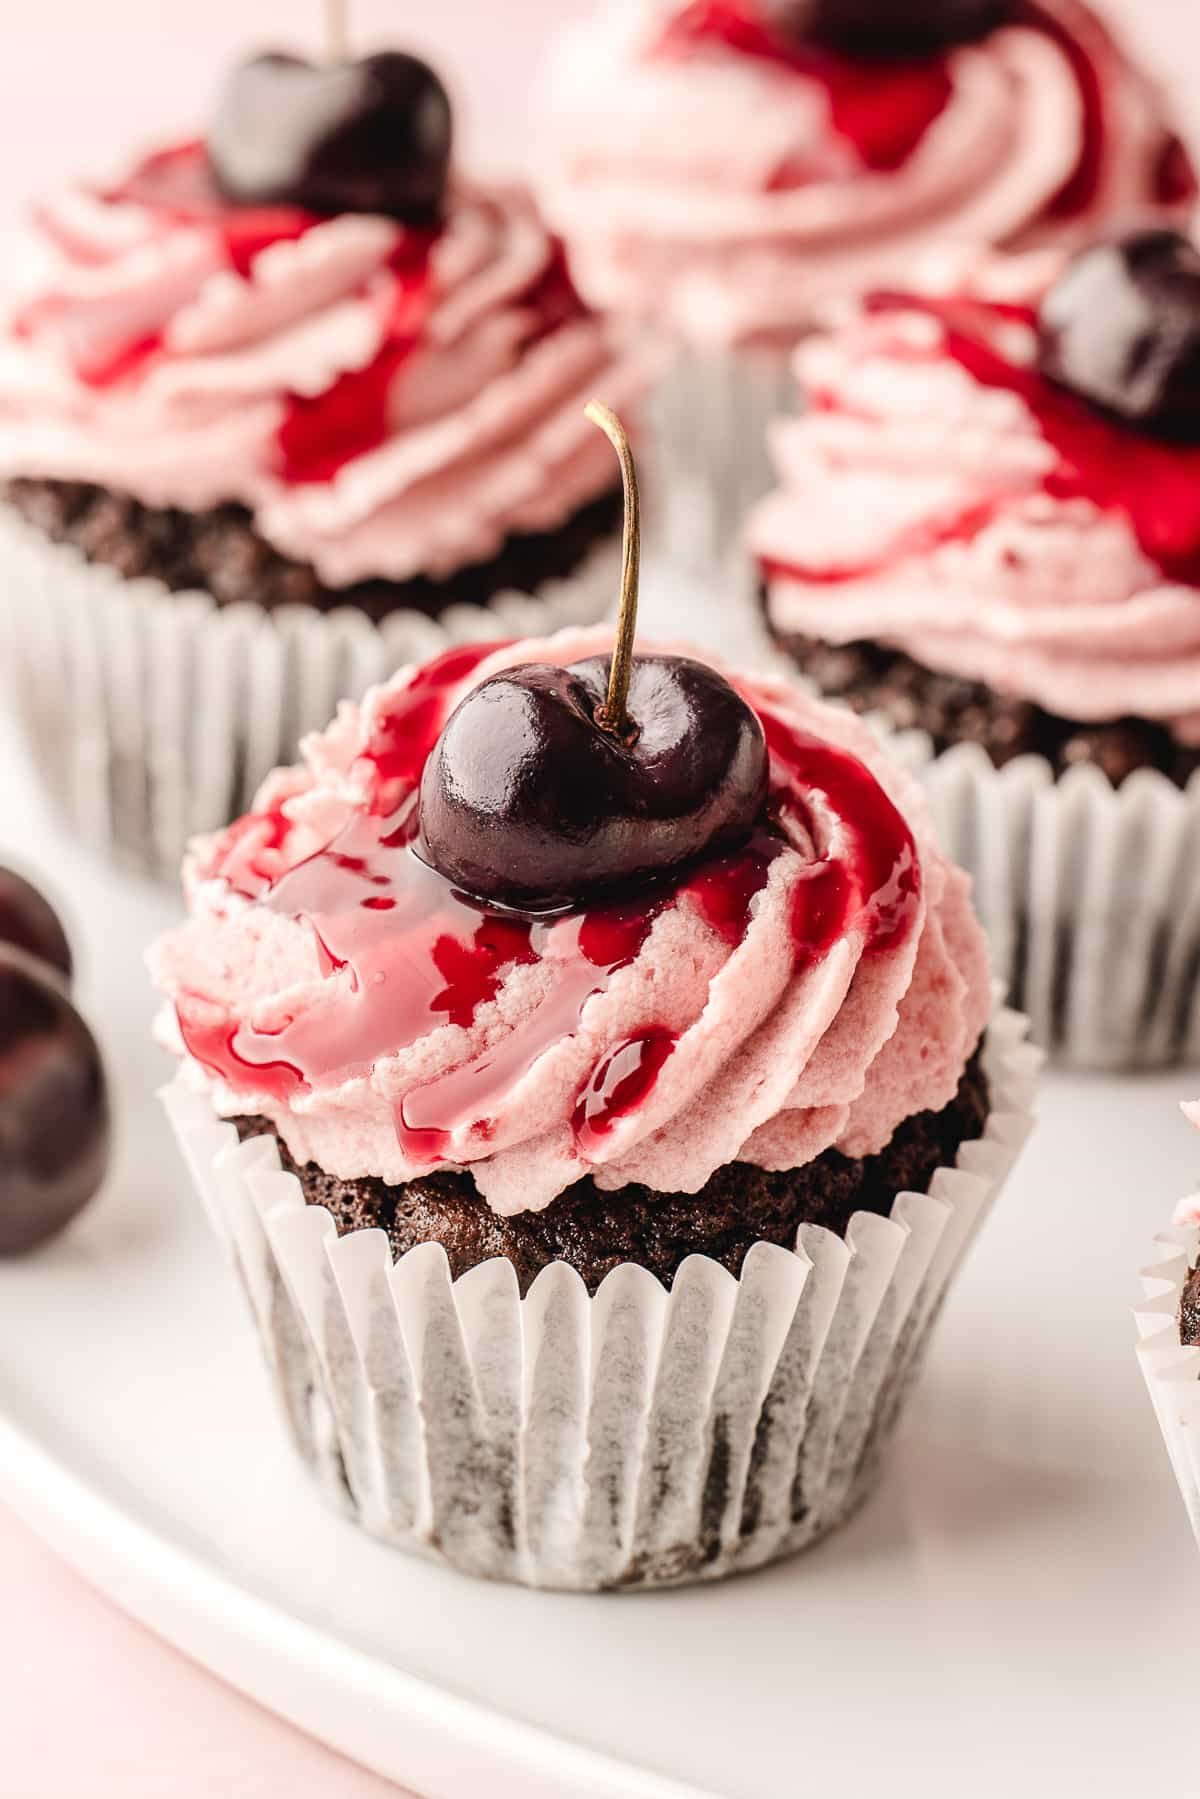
[[717, 167], [986, 533], [611, 1020], [271, 404], [1169, 1342]]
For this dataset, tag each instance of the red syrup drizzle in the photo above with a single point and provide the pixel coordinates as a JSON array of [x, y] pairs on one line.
[[619, 1085], [177, 183], [319, 433], [1155, 485], [433, 956], [883, 108]]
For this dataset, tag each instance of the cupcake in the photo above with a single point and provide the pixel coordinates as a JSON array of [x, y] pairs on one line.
[[589, 1060], [298, 402], [718, 166], [987, 532], [1169, 1342]]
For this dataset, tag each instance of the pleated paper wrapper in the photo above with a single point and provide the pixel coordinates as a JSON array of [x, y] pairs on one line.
[[706, 460], [1090, 896], [639, 1438], [1171, 1367], [151, 715]]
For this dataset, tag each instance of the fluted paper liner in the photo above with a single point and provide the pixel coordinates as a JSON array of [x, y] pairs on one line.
[[706, 457], [1170, 1366], [1089, 893], [638, 1438], [153, 715]]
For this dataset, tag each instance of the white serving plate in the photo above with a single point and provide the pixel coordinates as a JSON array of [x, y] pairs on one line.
[[1013, 1610]]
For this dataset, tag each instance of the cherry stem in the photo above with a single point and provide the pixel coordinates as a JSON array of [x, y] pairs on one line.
[[612, 716], [337, 31]]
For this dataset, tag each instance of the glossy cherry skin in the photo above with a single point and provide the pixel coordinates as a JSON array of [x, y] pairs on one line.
[[1121, 328], [891, 28], [54, 1118], [29, 921], [527, 802], [371, 136]]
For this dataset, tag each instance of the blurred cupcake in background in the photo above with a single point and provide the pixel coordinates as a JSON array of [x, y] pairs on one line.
[[987, 533], [1168, 1320], [718, 166], [280, 410]]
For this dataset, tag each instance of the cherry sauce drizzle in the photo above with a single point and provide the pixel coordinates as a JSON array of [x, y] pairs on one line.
[[1155, 485], [410, 953], [884, 107]]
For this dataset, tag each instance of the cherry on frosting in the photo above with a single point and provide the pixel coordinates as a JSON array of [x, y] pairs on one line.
[[529, 801], [1121, 329], [369, 136], [550, 785], [54, 1120], [887, 28], [29, 922]]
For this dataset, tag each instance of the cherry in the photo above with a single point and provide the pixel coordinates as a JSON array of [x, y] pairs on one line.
[[528, 801], [28, 920], [890, 28], [54, 1122], [369, 136], [550, 785], [1121, 329]]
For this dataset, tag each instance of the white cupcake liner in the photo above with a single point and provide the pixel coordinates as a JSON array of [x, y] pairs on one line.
[[1090, 896], [153, 715], [1171, 1367], [706, 455], [634, 1439]]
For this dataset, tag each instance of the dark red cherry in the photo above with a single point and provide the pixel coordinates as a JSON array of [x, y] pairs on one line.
[[54, 1124], [28, 920], [369, 136], [891, 28], [528, 801], [1121, 328]]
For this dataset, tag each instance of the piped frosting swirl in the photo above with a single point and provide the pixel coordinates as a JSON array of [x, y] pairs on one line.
[[387, 402], [941, 497], [816, 987], [710, 176]]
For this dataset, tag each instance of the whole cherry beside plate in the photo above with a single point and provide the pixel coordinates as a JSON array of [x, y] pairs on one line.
[[54, 1110]]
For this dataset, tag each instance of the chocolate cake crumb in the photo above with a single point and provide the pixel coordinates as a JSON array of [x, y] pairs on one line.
[[595, 1231], [868, 677], [1189, 1308], [221, 552]]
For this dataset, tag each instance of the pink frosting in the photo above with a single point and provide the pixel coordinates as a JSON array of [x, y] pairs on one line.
[[775, 1056], [146, 356], [712, 192], [921, 508]]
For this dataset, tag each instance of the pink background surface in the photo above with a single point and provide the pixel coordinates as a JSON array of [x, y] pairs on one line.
[[94, 1707]]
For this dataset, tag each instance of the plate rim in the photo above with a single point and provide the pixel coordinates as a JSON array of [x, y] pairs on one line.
[[194, 1605]]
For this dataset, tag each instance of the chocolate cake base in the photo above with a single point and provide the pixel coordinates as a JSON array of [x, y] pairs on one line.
[[871, 678], [1189, 1309], [596, 1231], [221, 552]]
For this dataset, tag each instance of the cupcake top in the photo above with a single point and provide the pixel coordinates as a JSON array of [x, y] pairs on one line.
[[387, 399], [716, 172], [1000, 477], [814, 984]]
